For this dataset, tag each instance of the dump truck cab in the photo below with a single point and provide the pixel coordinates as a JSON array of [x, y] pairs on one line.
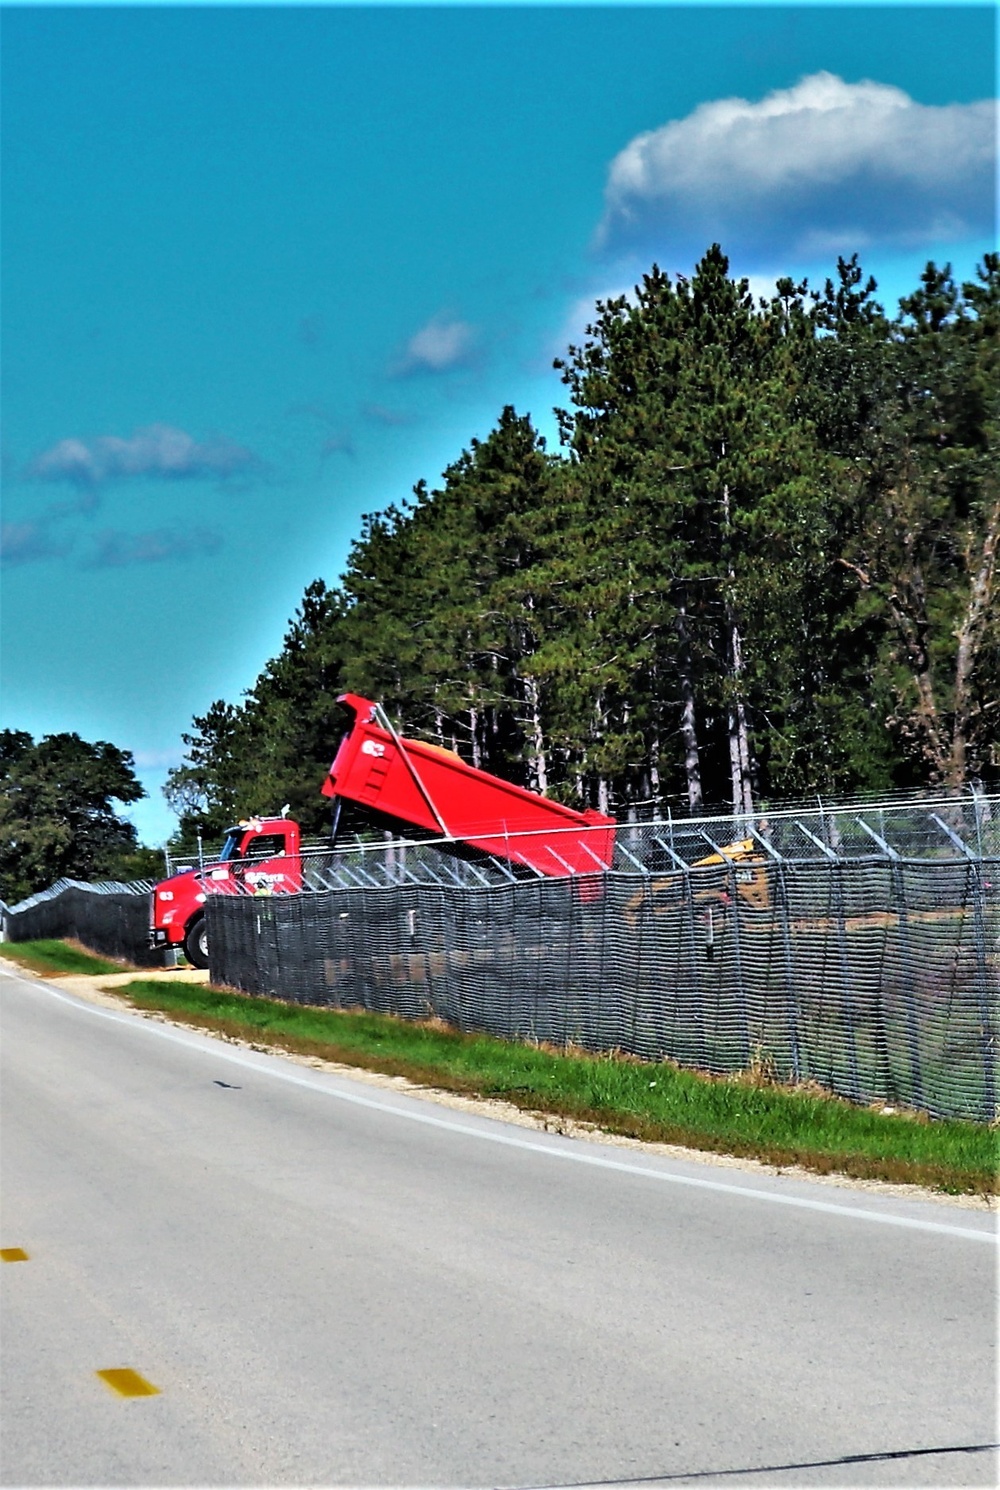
[[259, 856]]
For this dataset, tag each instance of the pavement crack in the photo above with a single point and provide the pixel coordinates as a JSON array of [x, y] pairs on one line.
[[747, 1469]]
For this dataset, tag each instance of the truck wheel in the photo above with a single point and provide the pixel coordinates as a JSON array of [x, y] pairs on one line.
[[196, 943]]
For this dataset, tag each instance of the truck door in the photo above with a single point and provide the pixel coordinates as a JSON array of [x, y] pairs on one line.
[[266, 866]]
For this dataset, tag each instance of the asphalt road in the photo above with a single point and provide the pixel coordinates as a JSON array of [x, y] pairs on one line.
[[334, 1284]]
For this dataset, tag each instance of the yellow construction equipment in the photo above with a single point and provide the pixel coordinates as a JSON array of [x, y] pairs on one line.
[[662, 896]]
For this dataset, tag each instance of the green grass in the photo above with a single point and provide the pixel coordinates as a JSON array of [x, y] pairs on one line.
[[52, 958], [747, 1116]]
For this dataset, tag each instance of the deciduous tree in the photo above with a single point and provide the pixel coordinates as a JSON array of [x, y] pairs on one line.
[[57, 814]]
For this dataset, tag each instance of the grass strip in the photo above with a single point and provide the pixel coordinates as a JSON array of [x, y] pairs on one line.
[[748, 1116], [52, 959]]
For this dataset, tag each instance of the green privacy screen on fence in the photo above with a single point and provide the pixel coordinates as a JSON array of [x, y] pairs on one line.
[[108, 918], [878, 979], [854, 946]]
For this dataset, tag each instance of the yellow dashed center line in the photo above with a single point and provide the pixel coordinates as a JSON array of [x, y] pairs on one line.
[[127, 1383], [121, 1379]]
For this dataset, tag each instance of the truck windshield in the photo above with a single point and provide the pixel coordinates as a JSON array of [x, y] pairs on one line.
[[231, 846]]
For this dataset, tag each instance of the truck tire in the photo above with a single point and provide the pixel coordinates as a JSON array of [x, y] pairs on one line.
[[196, 943]]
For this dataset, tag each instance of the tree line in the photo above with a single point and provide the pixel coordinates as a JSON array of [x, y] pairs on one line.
[[762, 565]]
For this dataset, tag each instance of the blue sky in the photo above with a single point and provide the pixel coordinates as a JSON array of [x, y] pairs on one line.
[[265, 268]]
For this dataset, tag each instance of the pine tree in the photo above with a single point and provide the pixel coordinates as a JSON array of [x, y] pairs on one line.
[[765, 566], [693, 434], [925, 554]]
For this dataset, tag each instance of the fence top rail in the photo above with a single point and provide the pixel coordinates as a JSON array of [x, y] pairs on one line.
[[960, 831], [943, 829], [985, 805], [975, 805], [97, 887]]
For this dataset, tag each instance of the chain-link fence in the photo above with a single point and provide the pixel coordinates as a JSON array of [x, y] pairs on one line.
[[854, 946], [859, 950], [962, 824], [111, 918]]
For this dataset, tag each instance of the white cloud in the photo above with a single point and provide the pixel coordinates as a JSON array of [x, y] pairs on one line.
[[380, 414], [824, 165], [158, 760], [437, 347], [158, 450], [582, 313], [115, 550], [762, 286], [338, 444], [28, 543]]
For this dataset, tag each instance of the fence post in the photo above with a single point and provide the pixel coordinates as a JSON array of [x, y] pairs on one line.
[[982, 988], [912, 1020], [791, 1000], [592, 1006], [847, 1003], [848, 1008], [742, 1010], [978, 813], [974, 873], [697, 970], [741, 991], [697, 979]]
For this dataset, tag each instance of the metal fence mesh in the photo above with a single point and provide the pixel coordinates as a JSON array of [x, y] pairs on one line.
[[877, 978], [110, 918], [857, 947], [945, 828]]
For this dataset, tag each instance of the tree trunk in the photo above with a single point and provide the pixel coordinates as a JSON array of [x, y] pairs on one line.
[[537, 762], [740, 766], [689, 725], [982, 597], [654, 770], [477, 753], [600, 730], [905, 602]]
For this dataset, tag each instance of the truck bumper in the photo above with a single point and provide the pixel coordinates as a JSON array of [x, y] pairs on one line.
[[158, 936]]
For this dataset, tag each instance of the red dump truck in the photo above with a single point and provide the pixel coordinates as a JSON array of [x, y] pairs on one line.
[[404, 784]]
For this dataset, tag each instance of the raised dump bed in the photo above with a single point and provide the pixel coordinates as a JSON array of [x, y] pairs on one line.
[[425, 786]]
